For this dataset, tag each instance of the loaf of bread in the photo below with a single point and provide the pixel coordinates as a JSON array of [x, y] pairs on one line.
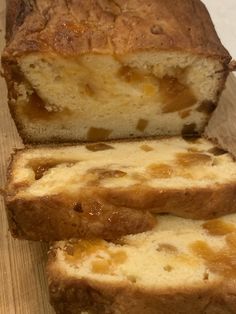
[[108, 190], [181, 266], [96, 70]]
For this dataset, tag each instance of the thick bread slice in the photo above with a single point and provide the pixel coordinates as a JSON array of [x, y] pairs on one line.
[[108, 190], [181, 266], [96, 70]]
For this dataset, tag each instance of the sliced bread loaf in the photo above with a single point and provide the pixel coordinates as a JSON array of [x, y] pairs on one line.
[[181, 266], [95, 70], [109, 190]]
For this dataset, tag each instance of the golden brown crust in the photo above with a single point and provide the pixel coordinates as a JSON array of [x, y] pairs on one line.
[[57, 218], [73, 295], [10, 77], [17, 10], [111, 213], [116, 27], [194, 203]]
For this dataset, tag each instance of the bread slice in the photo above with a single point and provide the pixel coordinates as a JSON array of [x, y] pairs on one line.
[[96, 70], [181, 266], [108, 190]]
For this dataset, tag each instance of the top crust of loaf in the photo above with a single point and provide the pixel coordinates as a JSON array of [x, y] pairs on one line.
[[115, 27]]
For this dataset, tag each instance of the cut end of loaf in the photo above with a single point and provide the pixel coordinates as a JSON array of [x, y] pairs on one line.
[[98, 97], [124, 70]]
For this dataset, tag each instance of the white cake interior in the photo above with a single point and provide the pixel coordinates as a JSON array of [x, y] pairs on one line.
[[168, 163], [97, 97]]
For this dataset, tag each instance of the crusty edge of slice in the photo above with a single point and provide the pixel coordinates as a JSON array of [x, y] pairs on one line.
[[108, 213], [54, 218], [59, 217]]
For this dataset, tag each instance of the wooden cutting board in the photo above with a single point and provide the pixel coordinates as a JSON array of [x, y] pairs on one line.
[[23, 286]]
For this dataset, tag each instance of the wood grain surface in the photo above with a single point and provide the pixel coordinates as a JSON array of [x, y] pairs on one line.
[[23, 286]]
